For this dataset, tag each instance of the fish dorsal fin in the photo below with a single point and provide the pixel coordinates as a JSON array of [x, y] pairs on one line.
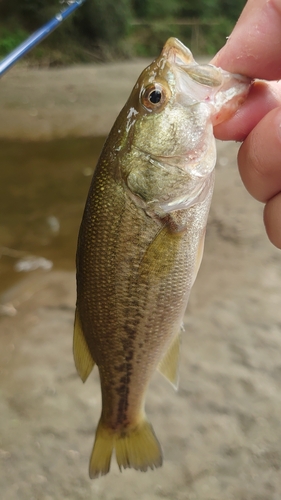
[[82, 357], [169, 364]]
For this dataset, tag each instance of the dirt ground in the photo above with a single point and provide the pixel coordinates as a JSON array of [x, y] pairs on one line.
[[221, 432]]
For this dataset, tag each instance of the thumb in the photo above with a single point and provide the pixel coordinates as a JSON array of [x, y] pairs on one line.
[[254, 47]]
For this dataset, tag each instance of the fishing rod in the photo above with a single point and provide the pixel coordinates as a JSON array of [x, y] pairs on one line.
[[38, 36]]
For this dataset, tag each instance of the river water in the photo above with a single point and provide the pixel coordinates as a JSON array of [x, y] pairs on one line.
[[43, 188]]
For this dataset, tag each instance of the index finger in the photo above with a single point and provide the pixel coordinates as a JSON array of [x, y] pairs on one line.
[[262, 98], [253, 48]]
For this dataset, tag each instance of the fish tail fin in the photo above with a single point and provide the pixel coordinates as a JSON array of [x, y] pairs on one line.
[[137, 448], [102, 451]]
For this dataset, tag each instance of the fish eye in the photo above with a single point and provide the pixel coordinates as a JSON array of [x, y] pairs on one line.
[[154, 96]]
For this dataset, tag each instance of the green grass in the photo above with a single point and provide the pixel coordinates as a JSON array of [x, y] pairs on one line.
[[9, 40]]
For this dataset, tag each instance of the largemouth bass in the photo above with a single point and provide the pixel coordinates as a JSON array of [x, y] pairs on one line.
[[141, 243]]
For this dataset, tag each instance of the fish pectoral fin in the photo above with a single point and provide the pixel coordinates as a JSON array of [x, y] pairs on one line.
[[137, 448], [159, 258], [169, 364], [82, 357]]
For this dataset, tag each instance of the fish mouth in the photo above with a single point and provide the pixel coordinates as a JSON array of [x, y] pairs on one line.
[[176, 52], [204, 82], [205, 74]]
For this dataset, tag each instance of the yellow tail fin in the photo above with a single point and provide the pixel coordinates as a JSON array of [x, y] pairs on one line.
[[137, 448], [102, 451]]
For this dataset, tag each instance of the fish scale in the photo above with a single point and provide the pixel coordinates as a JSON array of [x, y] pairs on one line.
[[141, 242]]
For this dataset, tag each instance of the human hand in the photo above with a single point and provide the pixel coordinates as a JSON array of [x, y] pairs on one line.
[[254, 50]]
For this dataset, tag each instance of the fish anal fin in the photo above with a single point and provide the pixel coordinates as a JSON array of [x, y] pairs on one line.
[[136, 448], [169, 364], [82, 357], [200, 251]]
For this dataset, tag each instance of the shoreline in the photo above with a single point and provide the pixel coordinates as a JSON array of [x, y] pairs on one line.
[[77, 101]]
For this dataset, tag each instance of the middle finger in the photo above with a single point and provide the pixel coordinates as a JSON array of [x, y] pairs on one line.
[[259, 158]]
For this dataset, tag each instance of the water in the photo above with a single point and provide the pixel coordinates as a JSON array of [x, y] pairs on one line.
[[43, 188]]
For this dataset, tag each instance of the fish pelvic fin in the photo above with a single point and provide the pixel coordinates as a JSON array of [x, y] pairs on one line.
[[169, 364], [82, 357], [136, 448]]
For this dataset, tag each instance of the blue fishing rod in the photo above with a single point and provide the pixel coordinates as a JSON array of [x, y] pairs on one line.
[[38, 36]]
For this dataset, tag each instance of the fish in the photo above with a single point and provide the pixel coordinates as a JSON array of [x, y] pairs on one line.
[[141, 243]]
